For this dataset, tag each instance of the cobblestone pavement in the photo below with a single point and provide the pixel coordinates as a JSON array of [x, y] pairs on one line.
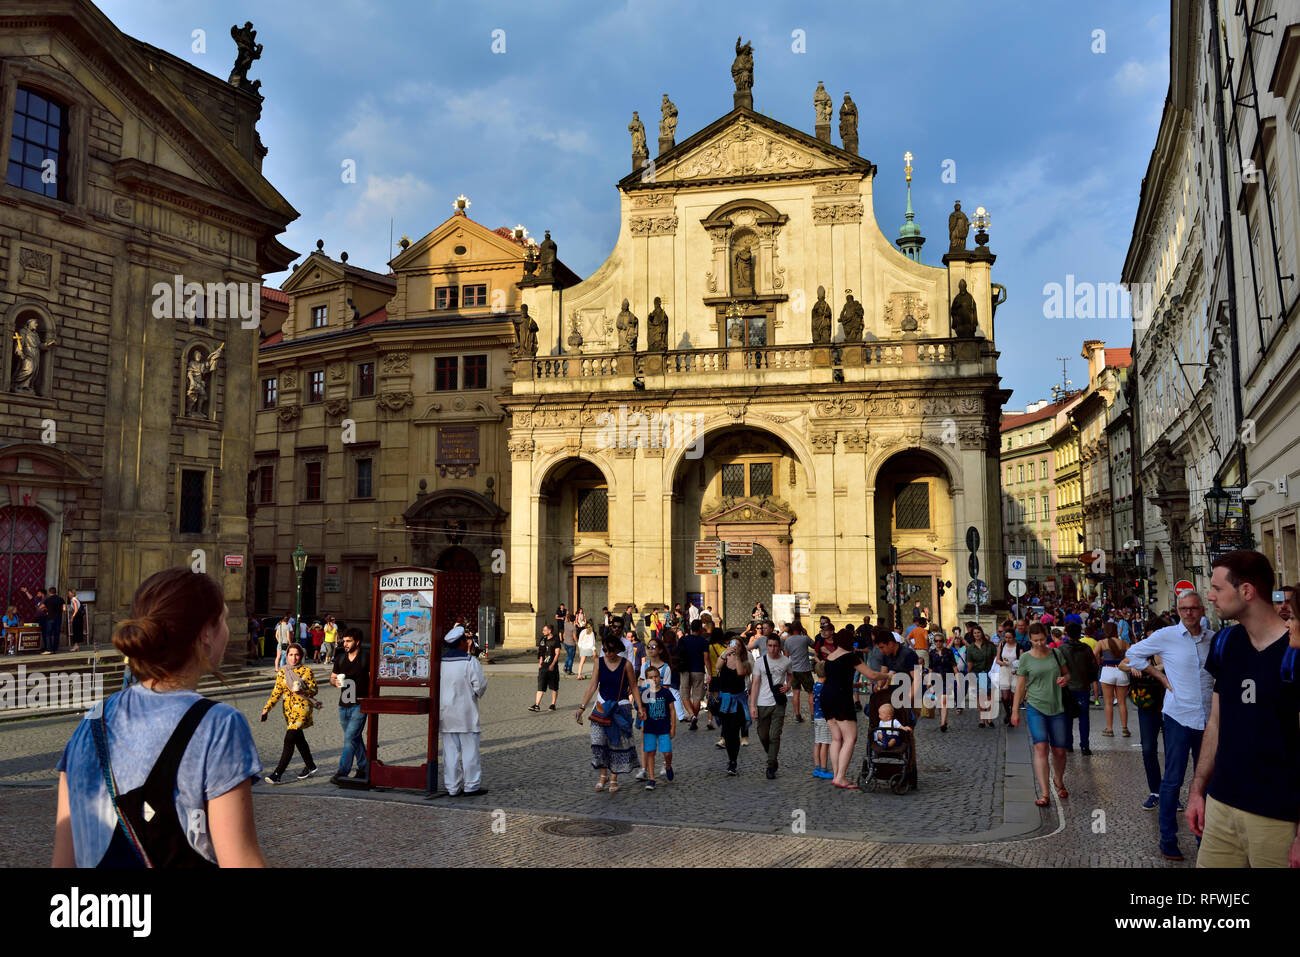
[[972, 807]]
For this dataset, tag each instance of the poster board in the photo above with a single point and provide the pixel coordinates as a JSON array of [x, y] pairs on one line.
[[404, 653]]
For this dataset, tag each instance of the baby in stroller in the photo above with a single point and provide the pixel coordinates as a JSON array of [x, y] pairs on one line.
[[887, 735], [891, 748]]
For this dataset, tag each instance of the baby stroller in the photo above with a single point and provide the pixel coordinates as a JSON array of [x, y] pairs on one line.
[[885, 764]]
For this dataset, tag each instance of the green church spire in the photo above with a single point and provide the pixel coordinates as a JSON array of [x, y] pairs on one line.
[[910, 239]]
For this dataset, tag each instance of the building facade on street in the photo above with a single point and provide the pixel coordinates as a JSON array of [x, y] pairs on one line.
[[381, 437], [1215, 247], [135, 231], [1028, 490], [756, 363], [1090, 416]]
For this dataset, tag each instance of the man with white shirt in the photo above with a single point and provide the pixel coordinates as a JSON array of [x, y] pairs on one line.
[[1190, 689], [767, 697]]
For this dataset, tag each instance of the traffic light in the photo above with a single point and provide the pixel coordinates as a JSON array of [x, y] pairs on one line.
[[1152, 591]]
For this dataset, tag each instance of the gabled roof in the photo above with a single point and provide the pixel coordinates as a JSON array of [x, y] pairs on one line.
[[337, 271], [501, 238], [1010, 422], [830, 158], [1119, 358]]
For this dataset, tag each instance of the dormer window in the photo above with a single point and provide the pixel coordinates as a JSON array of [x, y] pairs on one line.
[[319, 316], [445, 297]]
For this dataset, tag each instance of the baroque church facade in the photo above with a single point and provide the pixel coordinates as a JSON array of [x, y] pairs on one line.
[[755, 363], [135, 228]]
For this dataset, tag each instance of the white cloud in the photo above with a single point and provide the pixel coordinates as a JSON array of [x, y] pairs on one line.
[[1135, 79], [384, 197]]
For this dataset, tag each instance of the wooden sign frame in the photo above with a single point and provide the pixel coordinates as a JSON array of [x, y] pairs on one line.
[[404, 605]]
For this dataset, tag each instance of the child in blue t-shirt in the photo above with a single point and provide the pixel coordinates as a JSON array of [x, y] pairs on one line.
[[821, 730], [660, 725]]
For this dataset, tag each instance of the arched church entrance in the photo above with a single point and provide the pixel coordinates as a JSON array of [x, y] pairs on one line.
[[749, 580], [24, 546], [460, 589]]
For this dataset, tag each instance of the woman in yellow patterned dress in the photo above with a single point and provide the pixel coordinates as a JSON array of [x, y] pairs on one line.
[[297, 686]]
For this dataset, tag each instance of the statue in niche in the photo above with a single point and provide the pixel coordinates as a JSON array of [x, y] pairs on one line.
[[852, 318], [668, 125], [249, 51], [822, 103], [525, 334], [742, 68], [736, 332], [963, 312], [627, 325], [657, 328], [821, 319], [27, 359], [958, 227], [742, 271], [198, 375], [637, 129]]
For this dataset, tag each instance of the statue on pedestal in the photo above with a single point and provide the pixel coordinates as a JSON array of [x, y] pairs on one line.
[[546, 259], [627, 325], [668, 125], [637, 129], [657, 328], [742, 273], [248, 52], [958, 227], [963, 312], [27, 358], [852, 318], [821, 319], [849, 124], [742, 68], [525, 334], [822, 103]]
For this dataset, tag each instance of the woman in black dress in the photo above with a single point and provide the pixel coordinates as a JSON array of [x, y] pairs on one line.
[[837, 703]]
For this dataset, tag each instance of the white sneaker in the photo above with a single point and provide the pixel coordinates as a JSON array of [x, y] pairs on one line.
[[640, 774]]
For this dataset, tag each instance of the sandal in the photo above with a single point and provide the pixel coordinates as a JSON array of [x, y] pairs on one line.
[[613, 787], [600, 785], [1126, 734], [1107, 733], [1061, 792], [1041, 802]]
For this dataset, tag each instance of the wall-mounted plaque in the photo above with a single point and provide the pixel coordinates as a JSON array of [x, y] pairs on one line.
[[457, 452]]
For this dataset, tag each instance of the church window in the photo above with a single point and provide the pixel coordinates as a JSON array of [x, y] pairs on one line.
[[38, 146]]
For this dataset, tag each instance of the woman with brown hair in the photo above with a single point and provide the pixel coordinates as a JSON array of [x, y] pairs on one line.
[[1041, 677], [1114, 682], [157, 775], [727, 696], [297, 686], [837, 703]]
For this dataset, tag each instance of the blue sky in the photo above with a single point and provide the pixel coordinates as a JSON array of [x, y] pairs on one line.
[[1050, 136]]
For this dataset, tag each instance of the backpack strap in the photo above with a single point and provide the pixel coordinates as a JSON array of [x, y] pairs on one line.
[[1220, 642], [1290, 664], [99, 731], [169, 761]]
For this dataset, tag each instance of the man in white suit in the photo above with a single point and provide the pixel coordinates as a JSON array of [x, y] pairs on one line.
[[462, 684]]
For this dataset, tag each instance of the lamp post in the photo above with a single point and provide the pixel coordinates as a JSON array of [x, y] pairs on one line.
[[299, 566]]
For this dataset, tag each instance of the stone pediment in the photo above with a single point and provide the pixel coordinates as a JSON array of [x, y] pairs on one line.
[[746, 145], [590, 557], [748, 511], [919, 556]]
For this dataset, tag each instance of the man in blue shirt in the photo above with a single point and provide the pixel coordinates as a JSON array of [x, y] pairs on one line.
[[1189, 690]]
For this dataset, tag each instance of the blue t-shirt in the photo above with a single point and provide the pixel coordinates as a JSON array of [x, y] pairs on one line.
[[817, 698], [221, 755], [656, 711]]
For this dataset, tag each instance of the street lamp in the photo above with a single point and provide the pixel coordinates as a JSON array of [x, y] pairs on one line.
[[299, 566], [1216, 511]]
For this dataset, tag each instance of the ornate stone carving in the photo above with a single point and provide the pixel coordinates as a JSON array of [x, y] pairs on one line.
[[287, 413], [521, 449], [289, 380], [907, 312], [834, 187], [338, 371], [665, 225], [336, 407], [744, 150], [35, 266], [396, 363], [838, 213], [822, 441], [396, 401], [974, 437], [625, 452], [837, 407], [651, 200], [857, 441]]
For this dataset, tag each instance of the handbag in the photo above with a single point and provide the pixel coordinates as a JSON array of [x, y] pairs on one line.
[[1069, 703], [603, 713]]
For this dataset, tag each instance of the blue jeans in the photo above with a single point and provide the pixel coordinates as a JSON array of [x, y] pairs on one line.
[[1149, 729], [1049, 729], [1180, 741], [1084, 703], [568, 658], [352, 721]]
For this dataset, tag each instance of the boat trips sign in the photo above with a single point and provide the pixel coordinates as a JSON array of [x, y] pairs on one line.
[[405, 581]]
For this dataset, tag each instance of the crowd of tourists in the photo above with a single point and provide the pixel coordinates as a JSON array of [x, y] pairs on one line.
[[1226, 703]]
